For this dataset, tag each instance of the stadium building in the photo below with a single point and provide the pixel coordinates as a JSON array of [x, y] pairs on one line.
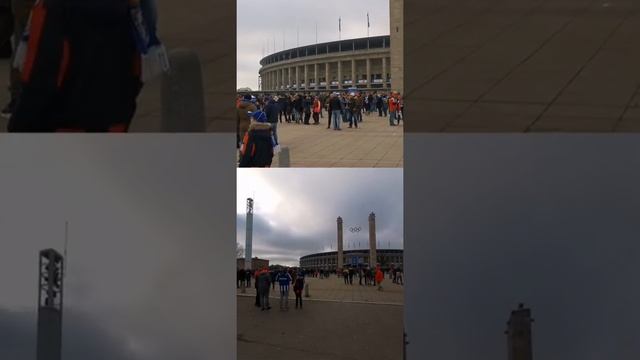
[[352, 258], [371, 63]]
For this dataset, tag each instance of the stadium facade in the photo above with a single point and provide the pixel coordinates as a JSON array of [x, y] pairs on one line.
[[372, 63], [353, 258], [363, 63]]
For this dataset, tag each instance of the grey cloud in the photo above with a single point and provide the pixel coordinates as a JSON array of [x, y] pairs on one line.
[[83, 337], [550, 221], [319, 196]]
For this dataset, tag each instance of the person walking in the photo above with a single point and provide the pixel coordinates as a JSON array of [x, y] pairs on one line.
[[379, 277], [335, 107], [393, 108], [351, 111], [264, 282], [307, 105], [317, 108], [379, 104], [298, 286], [284, 280]]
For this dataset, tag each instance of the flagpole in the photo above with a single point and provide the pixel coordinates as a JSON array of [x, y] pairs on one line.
[[339, 28]]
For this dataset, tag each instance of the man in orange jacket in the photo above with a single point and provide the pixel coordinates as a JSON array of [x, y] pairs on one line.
[[379, 277]]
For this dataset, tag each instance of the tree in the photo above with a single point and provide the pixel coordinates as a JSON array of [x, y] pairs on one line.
[[239, 250]]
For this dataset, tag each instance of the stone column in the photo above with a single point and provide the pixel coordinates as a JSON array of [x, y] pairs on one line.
[[396, 17], [340, 255], [353, 72], [384, 71], [326, 75], [297, 78], [289, 74], [315, 75], [283, 80], [373, 257], [368, 73], [306, 78], [339, 74]]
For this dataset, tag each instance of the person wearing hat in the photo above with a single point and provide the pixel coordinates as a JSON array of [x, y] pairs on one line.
[[258, 143], [245, 108]]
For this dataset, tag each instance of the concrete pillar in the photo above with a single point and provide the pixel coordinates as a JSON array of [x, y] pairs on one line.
[[384, 71], [315, 75], [373, 257], [283, 79], [306, 77], [297, 78], [339, 74], [368, 72], [353, 72], [396, 17], [289, 74], [326, 75], [340, 255], [249, 235], [519, 334]]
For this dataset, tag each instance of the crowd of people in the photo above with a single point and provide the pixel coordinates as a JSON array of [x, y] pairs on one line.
[[258, 117], [265, 280]]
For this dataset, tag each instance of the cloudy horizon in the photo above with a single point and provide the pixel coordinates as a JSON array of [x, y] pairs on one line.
[[147, 232], [295, 210], [263, 30]]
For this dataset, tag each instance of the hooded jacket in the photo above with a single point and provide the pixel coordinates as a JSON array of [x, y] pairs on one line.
[[82, 70]]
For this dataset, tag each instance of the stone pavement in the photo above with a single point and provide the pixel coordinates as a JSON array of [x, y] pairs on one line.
[[374, 144], [321, 330], [204, 28], [522, 65], [333, 289]]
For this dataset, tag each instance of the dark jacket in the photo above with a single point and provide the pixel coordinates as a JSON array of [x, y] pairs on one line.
[[264, 282], [273, 111], [257, 148], [82, 71], [335, 104]]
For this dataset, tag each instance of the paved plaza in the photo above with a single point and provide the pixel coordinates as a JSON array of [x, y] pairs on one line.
[[374, 144], [333, 289], [522, 65], [337, 322]]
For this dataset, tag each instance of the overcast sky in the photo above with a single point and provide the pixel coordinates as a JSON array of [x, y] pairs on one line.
[[260, 21], [548, 220], [295, 210], [149, 256]]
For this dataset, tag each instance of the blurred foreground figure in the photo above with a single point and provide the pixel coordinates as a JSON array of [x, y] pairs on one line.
[[81, 65]]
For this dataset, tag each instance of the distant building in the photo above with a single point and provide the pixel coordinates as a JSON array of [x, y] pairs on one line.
[[256, 263], [353, 258], [244, 89]]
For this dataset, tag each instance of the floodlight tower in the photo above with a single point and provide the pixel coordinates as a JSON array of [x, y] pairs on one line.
[[519, 334], [249, 235], [340, 246], [373, 257], [50, 278]]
